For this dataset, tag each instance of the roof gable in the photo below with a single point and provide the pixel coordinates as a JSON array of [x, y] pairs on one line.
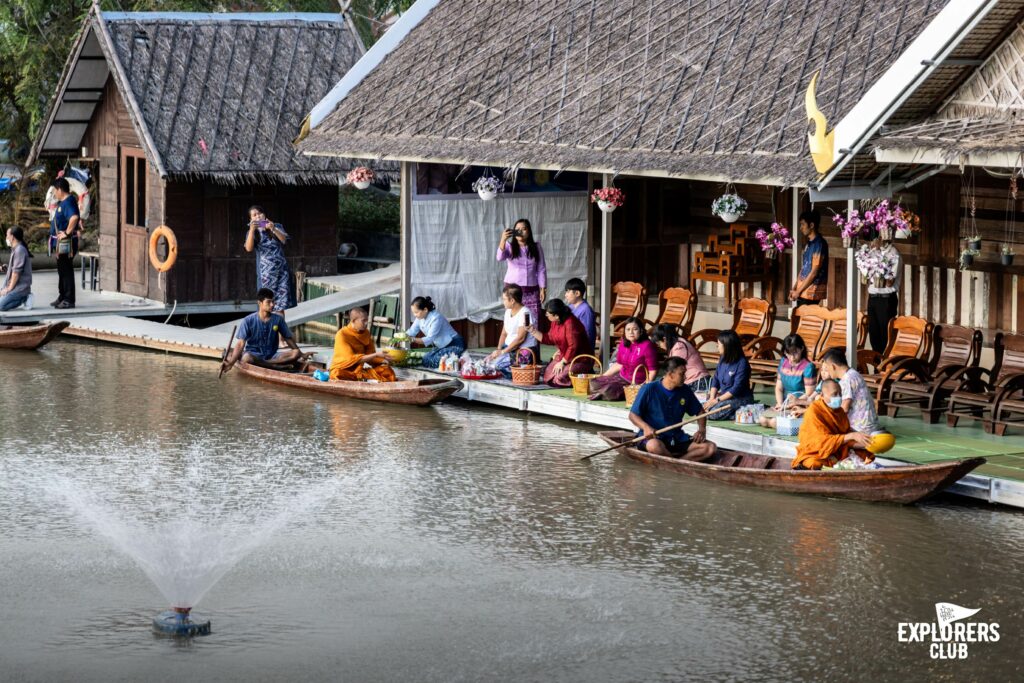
[[222, 96]]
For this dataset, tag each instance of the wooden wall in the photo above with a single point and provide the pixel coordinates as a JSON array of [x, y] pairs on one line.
[[211, 222]]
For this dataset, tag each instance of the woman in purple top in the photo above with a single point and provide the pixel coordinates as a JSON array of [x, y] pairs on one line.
[[526, 267], [635, 350]]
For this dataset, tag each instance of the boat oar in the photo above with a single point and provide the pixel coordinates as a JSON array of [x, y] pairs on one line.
[[227, 351], [660, 431]]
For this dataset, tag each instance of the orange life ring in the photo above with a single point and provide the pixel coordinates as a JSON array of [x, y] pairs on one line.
[[172, 249]]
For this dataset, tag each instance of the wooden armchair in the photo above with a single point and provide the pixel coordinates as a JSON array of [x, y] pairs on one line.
[[676, 306], [914, 384], [982, 390], [836, 337], [751, 318], [909, 337], [810, 322], [630, 301]]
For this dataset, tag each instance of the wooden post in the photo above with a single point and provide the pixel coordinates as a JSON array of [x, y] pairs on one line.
[[407, 178], [606, 278], [852, 305], [794, 230]]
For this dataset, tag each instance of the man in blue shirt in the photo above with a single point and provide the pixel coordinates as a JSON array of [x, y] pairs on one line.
[[64, 229], [664, 403], [259, 338], [576, 297], [812, 284]]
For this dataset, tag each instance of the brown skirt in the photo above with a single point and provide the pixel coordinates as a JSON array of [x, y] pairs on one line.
[[608, 388], [560, 379]]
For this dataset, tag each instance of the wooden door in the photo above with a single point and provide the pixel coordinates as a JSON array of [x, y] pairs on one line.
[[132, 222]]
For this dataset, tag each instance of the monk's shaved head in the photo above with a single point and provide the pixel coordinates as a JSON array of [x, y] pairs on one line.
[[829, 387], [357, 314]]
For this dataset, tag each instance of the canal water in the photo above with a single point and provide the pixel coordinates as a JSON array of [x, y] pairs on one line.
[[363, 542]]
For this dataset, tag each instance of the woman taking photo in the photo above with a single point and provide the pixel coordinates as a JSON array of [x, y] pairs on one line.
[[272, 271], [525, 266], [437, 332], [514, 335], [567, 333], [635, 350], [697, 376], [731, 384]]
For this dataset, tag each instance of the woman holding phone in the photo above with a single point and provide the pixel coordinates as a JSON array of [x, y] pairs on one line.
[[525, 267], [514, 335], [272, 271]]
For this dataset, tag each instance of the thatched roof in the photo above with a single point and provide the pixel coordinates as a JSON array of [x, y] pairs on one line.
[[985, 115], [215, 96], [689, 88]]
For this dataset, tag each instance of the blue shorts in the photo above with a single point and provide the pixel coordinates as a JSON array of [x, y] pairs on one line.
[[675, 445]]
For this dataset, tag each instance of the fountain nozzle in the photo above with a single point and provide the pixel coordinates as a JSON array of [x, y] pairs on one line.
[[178, 621]]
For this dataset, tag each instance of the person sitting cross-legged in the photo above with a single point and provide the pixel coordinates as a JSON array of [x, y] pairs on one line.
[[825, 436], [260, 335], [663, 403], [355, 355]]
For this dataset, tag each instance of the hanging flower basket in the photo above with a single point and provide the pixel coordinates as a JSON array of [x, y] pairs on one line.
[[974, 243], [966, 259], [885, 233], [849, 242], [903, 233], [608, 198], [488, 187], [850, 228], [1006, 255], [774, 240], [360, 176], [729, 207]]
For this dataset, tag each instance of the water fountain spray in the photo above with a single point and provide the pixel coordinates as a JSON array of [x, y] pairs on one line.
[[180, 622]]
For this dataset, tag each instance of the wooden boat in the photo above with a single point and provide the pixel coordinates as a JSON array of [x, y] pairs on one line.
[[422, 392], [31, 337], [901, 484]]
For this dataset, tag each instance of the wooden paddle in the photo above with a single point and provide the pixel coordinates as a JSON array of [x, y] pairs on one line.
[[227, 351], [660, 431]]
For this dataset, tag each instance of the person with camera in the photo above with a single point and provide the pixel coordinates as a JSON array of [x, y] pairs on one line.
[[272, 271], [525, 267]]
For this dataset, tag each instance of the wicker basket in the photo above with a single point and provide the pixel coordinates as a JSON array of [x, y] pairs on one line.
[[632, 389], [581, 382], [525, 375]]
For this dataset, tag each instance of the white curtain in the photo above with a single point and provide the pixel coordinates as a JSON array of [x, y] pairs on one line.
[[453, 244]]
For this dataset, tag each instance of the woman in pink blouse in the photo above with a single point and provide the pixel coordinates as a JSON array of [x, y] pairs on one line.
[[526, 267], [697, 376], [635, 350]]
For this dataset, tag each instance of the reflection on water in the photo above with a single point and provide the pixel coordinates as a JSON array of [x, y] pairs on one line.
[[456, 544]]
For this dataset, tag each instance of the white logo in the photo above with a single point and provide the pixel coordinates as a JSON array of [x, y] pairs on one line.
[[949, 636]]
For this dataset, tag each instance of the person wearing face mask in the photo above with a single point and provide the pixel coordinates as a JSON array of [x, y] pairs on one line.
[[18, 283], [857, 400], [825, 436]]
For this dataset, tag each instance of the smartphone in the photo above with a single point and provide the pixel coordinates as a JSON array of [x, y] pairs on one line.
[[527, 318]]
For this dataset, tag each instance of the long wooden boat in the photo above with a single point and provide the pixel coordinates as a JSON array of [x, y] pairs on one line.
[[900, 484], [422, 392], [32, 336]]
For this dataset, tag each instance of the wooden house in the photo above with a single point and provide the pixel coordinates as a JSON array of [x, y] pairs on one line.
[[191, 118]]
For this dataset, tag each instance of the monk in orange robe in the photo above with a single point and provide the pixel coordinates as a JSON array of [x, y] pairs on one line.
[[354, 351], [825, 435]]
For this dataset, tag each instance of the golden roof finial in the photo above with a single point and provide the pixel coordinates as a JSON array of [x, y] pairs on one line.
[[822, 143]]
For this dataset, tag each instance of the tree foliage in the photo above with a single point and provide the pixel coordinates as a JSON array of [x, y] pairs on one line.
[[36, 37]]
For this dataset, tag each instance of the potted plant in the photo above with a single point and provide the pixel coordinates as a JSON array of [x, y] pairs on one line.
[[608, 198], [775, 240], [360, 176], [488, 187], [974, 242], [729, 207], [966, 259], [908, 223], [850, 228], [1006, 255]]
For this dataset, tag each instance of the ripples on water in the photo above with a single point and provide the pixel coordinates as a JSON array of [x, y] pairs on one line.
[[444, 544]]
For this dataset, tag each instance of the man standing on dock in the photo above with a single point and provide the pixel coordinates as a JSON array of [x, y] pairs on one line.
[[260, 335], [64, 229], [663, 403]]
